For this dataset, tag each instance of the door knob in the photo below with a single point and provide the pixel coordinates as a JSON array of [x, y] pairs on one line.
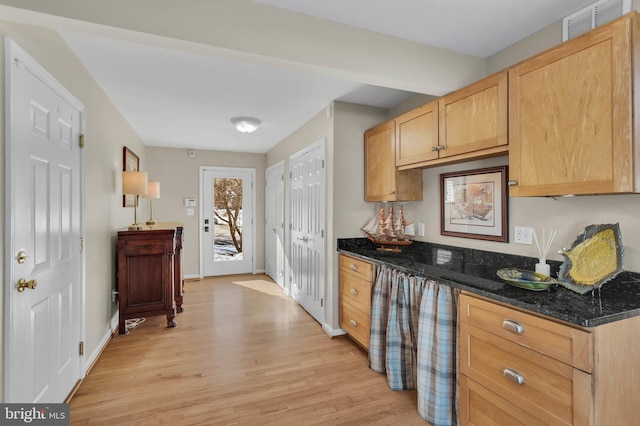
[[22, 284]]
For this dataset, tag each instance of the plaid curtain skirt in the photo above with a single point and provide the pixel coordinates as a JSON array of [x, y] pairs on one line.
[[414, 341]]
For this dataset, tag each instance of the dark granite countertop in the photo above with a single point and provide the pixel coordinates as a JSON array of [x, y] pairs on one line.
[[475, 272]]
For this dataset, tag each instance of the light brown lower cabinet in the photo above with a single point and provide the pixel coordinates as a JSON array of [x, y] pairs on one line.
[[517, 368], [356, 286]]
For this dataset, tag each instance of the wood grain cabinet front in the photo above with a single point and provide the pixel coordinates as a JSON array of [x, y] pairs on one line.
[[571, 115], [517, 365], [383, 181], [149, 267], [356, 284], [417, 135], [468, 124]]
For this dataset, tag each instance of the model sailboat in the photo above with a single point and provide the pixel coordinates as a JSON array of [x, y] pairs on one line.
[[389, 229]]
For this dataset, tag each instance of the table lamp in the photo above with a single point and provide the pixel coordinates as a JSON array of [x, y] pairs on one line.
[[152, 193], [134, 183]]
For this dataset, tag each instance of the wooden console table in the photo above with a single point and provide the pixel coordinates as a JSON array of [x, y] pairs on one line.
[[150, 273]]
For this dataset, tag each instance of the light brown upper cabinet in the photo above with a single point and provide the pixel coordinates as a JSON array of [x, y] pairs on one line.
[[417, 135], [571, 116], [468, 124], [383, 181], [473, 120]]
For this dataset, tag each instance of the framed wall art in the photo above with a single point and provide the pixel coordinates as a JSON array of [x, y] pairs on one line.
[[473, 204], [130, 163]]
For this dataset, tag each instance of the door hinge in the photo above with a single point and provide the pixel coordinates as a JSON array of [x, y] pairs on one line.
[[81, 140], [322, 234], [81, 244], [321, 302], [282, 176], [81, 348], [323, 164]]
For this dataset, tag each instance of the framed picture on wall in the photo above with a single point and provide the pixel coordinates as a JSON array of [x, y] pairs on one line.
[[473, 204], [130, 163]]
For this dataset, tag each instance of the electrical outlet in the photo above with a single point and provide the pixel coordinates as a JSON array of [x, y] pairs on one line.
[[420, 229], [522, 235]]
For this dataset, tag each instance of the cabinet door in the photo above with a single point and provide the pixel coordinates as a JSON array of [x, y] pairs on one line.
[[570, 117], [380, 172], [474, 118], [417, 135], [383, 182]]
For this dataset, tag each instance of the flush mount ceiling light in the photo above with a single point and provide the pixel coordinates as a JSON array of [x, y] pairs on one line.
[[246, 124]]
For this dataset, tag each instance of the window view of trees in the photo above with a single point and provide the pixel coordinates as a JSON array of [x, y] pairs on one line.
[[227, 209]]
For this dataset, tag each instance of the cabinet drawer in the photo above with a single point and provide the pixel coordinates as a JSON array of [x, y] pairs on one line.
[[559, 341], [481, 407], [543, 387], [357, 267], [355, 322], [356, 291]]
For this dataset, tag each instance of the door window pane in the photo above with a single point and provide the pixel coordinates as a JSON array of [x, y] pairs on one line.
[[227, 219]]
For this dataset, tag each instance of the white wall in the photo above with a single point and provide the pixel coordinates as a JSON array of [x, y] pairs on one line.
[[179, 177], [107, 132]]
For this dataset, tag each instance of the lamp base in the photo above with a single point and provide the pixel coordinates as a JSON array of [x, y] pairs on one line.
[[152, 222], [136, 227]]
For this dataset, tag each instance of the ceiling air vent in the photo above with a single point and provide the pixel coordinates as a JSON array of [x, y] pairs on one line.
[[593, 16]]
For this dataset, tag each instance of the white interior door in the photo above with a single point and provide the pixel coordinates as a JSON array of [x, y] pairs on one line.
[[274, 230], [227, 228], [44, 225], [308, 193]]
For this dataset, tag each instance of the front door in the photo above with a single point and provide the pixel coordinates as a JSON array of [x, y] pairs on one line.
[[274, 233], [43, 285], [227, 220], [307, 228]]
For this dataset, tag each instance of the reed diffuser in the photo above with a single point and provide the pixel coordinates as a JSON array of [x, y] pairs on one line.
[[542, 267]]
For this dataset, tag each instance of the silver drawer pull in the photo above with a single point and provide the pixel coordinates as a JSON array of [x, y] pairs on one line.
[[513, 375], [353, 323], [353, 267], [512, 326], [354, 291]]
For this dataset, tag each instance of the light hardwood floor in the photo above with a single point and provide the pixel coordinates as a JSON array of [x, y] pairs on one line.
[[242, 354]]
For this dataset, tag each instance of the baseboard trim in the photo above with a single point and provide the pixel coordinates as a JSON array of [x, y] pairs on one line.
[[333, 332], [192, 277], [93, 358]]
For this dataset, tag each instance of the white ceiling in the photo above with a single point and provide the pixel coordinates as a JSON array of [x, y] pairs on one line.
[[182, 99]]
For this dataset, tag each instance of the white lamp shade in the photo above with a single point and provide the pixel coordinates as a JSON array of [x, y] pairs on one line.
[[134, 183], [153, 190], [246, 124]]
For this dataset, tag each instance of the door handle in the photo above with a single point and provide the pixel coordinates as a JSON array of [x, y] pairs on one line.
[[303, 239], [22, 284]]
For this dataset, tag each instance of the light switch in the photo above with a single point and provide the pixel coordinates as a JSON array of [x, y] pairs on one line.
[[190, 212]]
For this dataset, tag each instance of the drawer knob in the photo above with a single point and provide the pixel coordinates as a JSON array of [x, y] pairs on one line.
[[353, 323], [512, 326], [354, 291], [513, 375], [353, 267]]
